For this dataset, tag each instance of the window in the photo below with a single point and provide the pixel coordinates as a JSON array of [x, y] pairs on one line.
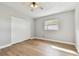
[[51, 25]]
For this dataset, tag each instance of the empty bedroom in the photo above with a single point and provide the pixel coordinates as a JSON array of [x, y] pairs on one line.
[[39, 29]]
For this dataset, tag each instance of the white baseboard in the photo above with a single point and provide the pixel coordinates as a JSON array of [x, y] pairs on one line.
[[20, 41], [77, 49], [10, 44], [4, 46], [1, 47], [54, 40], [62, 49]]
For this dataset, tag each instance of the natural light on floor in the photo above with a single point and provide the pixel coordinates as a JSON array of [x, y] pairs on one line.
[[65, 50]]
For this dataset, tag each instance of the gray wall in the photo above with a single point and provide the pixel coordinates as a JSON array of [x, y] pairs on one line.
[[20, 29], [77, 26], [5, 23], [65, 32]]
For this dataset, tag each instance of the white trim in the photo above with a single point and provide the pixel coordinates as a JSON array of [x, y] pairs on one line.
[[4, 46], [77, 49], [54, 40], [62, 49], [51, 46], [19, 41], [1, 47]]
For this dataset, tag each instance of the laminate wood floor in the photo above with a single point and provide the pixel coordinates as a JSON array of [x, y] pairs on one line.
[[37, 47]]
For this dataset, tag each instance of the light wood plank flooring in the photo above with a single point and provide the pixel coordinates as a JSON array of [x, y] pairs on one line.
[[37, 47]]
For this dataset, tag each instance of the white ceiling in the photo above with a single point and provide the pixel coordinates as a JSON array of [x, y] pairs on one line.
[[49, 7]]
